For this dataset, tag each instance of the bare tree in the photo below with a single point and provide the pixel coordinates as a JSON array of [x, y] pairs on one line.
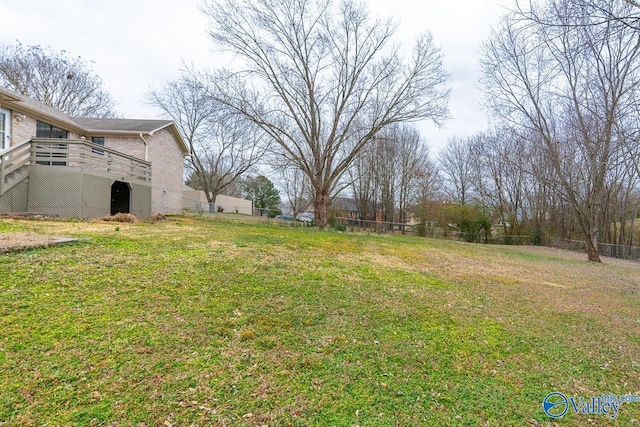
[[429, 194], [413, 162], [429, 185], [223, 144], [569, 84], [385, 174], [364, 182], [502, 176], [297, 189], [601, 12], [55, 79], [322, 80], [457, 164]]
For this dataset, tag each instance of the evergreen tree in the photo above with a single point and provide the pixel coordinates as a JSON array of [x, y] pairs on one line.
[[264, 194]]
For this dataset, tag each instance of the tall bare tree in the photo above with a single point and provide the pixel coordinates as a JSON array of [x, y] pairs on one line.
[[55, 79], [385, 176], [364, 182], [413, 163], [502, 176], [223, 144], [322, 80], [457, 165], [385, 173], [568, 79]]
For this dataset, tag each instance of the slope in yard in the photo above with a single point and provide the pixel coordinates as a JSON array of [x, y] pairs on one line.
[[195, 321]]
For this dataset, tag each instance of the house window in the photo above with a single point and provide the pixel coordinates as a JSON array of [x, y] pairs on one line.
[[98, 140], [45, 130]]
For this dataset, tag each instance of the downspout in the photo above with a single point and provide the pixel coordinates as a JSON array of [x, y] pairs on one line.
[[146, 147]]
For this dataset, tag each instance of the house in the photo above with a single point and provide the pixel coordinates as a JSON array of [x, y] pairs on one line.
[[344, 207], [54, 164]]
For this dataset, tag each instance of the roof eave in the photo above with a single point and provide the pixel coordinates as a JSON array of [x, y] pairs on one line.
[[48, 118], [16, 102], [176, 133]]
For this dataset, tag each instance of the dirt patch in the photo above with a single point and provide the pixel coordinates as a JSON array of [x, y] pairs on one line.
[[10, 242]]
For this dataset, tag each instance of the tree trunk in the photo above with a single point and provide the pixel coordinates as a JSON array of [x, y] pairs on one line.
[[592, 244], [320, 203]]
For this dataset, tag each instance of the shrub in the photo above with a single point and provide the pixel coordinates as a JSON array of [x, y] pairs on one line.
[[536, 237]]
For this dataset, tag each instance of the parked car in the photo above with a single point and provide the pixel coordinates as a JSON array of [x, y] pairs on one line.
[[306, 217], [285, 217]]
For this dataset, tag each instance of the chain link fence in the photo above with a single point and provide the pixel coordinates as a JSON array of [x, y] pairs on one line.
[[610, 250], [380, 227], [353, 224], [626, 252], [199, 207]]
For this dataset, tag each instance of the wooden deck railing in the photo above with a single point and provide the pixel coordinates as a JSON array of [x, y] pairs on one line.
[[87, 155], [72, 153], [11, 161]]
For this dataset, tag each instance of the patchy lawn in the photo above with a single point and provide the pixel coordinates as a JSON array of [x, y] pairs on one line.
[[194, 321]]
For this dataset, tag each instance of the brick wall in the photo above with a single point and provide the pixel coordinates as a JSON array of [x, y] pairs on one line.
[[132, 146], [22, 128], [166, 173], [166, 167]]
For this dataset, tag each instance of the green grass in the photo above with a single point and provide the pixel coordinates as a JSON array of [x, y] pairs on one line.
[[219, 322]]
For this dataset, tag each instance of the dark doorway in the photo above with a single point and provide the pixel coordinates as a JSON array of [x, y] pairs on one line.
[[120, 196]]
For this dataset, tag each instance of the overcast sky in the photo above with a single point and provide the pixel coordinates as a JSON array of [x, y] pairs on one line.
[[137, 45]]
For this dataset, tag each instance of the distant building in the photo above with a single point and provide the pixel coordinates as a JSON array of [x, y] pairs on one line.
[[344, 207]]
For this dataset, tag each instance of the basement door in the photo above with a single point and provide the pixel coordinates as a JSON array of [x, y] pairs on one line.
[[120, 197]]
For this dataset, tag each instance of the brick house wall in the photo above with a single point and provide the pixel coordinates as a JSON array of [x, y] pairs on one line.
[[166, 173], [132, 146], [22, 128], [166, 167]]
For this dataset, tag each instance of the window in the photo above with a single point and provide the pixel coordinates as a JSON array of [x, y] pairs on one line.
[[98, 140], [45, 130]]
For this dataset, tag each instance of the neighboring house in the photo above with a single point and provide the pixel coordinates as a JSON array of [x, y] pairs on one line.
[[103, 166], [197, 200], [344, 207]]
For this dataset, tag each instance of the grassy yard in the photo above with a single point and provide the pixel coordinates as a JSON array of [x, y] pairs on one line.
[[193, 321]]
